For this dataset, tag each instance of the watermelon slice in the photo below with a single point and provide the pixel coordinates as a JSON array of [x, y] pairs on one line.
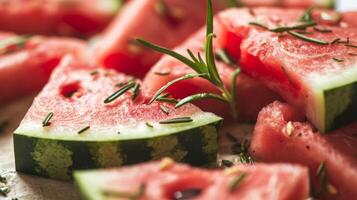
[[64, 17], [281, 136], [26, 62], [288, 3], [168, 180], [76, 123], [252, 95], [171, 21], [312, 77]]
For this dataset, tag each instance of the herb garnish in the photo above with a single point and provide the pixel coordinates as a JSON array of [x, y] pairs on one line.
[[95, 72], [351, 45], [205, 69], [84, 129], [149, 125], [227, 163], [338, 60], [236, 182], [4, 190], [242, 150], [352, 54], [120, 92], [321, 173], [285, 28], [322, 30], [135, 91], [177, 120], [307, 15], [222, 55], [164, 109], [335, 40], [162, 73], [46, 121], [125, 195], [308, 39]]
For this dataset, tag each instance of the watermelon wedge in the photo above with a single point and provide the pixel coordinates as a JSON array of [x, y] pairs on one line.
[[311, 75], [280, 135], [168, 180], [27, 62], [171, 21], [288, 3], [252, 95], [57, 17], [86, 117]]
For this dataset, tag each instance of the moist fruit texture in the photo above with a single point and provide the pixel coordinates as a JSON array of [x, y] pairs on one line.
[[167, 180], [317, 78], [27, 62], [280, 135], [57, 17], [82, 131]]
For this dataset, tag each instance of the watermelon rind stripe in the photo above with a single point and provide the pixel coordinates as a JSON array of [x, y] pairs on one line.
[[57, 158]]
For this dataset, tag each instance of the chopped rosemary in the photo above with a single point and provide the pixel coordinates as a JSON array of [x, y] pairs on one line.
[[307, 15], [205, 69], [3, 125], [149, 125], [338, 60], [46, 121], [335, 40], [167, 100], [222, 55], [352, 54], [95, 72], [258, 24], [351, 45], [227, 163], [84, 129], [308, 39], [120, 92], [236, 182], [162, 73], [125, 195], [164, 109], [177, 120], [242, 150], [321, 173], [135, 90], [322, 30], [291, 28]]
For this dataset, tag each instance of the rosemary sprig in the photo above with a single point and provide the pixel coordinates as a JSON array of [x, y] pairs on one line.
[[46, 121], [291, 28], [204, 68], [321, 173], [164, 109], [236, 182], [135, 91], [338, 59], [308, 39], [120, 92], [321, 30], [84, 130], [335, 41], [351, 45], [177, 120], [227, 163], [307, 15]]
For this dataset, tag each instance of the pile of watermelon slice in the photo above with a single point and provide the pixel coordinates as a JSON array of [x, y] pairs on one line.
[[297, 83]]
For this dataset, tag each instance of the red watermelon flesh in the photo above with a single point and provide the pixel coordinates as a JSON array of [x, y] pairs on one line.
[[300, 71], [288, 3], [281, 136], [64, 17], [25, 69], [76, 96], [117, 47], [252, 95], [278, 182]]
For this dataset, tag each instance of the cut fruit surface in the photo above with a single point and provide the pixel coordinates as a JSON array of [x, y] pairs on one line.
[[318, 77], [76, 122], [57, 17], [252, 95], [171, 21], [280, 136], [168, 180], [27, 62]]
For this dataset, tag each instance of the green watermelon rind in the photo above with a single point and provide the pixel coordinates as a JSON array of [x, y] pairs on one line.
[[89, 184], [194, 143], [334, 102]]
